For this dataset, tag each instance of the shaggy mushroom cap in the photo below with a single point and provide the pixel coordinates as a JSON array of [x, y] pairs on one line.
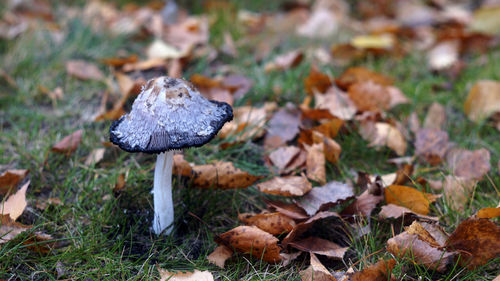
[[169, 113]]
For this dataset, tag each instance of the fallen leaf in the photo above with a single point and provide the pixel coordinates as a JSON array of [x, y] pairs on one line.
[[483, 100], [444, 55], [158, 49], [286, 259], [315, 163], [409, 244], [383, 134], [431, 145], [83, 70], [69, 143], [377, 272], [355, 75], [331, 149], [321, 198], [316, 271], [248, 122], [181, 166], [120, 183], [95, 156], [282, 156], [185, 276], [408, 197], [284, 124], [11, 178], [394, 211], [330, 128], [317, 81], [457, 191], [436, 117], [485, 20], [221, 175], [274, 223], [363, 205], [336, 102], [469, 164], [302, 227], [477, 240], [119, 61], [488, 213], [252, 240], [319, 246], [220, 255], [285, 61], [229, 47], [369, 96], [286, 186], [15, 204], [290, 210], [322, 23], [9, 229]]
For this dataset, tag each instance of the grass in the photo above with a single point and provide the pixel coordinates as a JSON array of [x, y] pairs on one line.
[[108, 236]]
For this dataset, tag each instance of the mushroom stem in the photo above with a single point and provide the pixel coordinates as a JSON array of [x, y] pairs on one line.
[[162, 193]]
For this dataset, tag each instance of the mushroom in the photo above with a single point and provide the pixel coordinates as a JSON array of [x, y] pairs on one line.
[[168, 114]]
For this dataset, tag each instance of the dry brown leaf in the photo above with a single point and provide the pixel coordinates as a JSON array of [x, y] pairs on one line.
[[282, 156], [354, 75], [83, 70], [363, 205], [383, 134], [488, 213], [274, 223], [283, 126], [285, 61], [380, 271], [337, 103], [319, 246], [220, 255], [469, 164], [477, 240], [286, 186], [252, 240], [221, 175], [321, 198], [158, 49], [69, 143], [290, 210], [394, 211], [315, 163], [120, 183], [330, 128], [369, 96], [302, 227], [185, 276], [15, 204], [331, 148], [316, 271], [317, 81], [409, 244], [9, 229], [431, 145], [95, 156], [483, 100], [248, 122], [10, 179], [436, 117], [408, 197], [144, 65], [119, 61], [238, 85], [181, 166], [457, 191]]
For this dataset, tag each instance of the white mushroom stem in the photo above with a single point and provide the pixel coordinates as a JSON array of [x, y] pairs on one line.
[[162, 193]]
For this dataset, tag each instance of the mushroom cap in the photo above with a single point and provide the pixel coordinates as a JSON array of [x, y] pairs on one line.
[[169, 113]]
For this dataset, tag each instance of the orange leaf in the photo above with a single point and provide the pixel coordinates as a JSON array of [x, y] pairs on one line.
[[10, 179], [222, 175], [317, 81], [488, 213], [274, 223], [360, 74], [376, 272], [252, 240], [407, 197]]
